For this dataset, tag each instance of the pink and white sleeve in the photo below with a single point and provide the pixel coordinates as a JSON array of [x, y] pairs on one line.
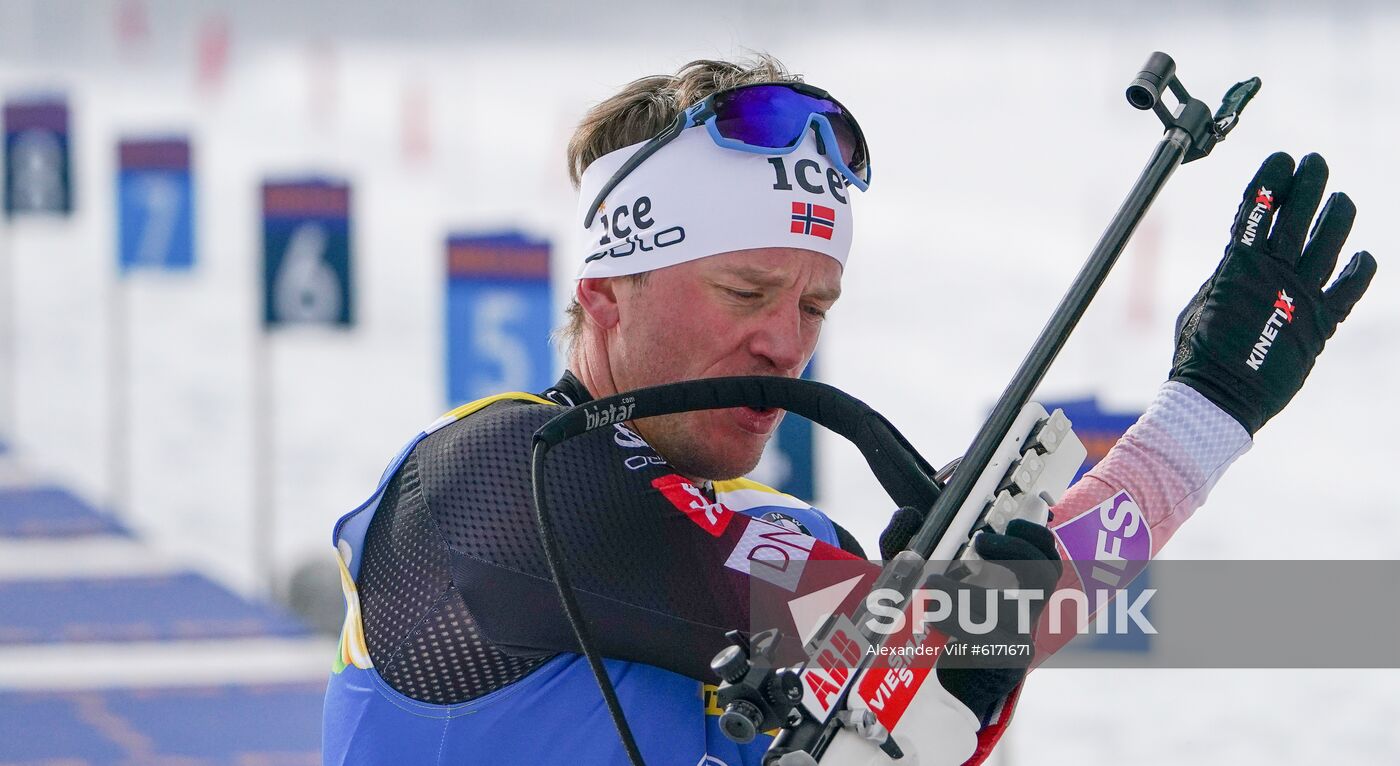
[[1168, 462]]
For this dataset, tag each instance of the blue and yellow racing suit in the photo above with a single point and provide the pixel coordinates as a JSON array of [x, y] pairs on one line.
[[455, 649]]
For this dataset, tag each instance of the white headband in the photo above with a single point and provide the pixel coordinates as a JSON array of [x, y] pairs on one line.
[[692, 199]]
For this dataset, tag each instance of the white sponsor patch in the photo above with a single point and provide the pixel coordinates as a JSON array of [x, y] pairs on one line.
[[772, 553], [832, 667]]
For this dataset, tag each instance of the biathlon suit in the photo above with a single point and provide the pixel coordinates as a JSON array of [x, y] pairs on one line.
[[455, 648]]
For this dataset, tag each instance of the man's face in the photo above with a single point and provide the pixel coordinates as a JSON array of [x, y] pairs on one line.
[[750, 312]]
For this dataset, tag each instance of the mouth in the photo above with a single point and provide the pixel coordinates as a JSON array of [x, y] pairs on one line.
[[757, 420]]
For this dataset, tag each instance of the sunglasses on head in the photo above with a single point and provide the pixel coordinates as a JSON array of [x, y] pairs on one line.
[[764, 118]]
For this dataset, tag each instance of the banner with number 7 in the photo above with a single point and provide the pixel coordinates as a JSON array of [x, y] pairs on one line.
[[155, 204]]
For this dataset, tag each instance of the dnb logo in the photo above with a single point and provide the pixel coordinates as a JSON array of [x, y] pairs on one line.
[[774, 554]]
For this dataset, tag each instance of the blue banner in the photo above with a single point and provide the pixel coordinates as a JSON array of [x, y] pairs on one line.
[[155, 204], [789, 461], [306, 253], [1099, 430], [498, 315], [38, 175]]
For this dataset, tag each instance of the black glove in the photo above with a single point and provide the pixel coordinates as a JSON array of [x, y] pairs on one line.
[[904, 524], [982, 680], [1250, 336]]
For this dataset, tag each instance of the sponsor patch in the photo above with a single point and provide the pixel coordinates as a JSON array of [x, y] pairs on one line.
[[887, 691], [772, 553], [786, 520], [710, 516], [1108, 544], [832, 667]]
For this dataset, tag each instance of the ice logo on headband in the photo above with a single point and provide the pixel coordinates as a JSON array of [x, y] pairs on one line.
[[693, 199], [801, 170], [630, 223]]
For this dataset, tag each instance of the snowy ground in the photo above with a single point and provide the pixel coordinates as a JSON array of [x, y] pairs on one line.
[[1001, 145]]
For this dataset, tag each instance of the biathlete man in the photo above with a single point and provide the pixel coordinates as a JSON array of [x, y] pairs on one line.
[[715, 224]]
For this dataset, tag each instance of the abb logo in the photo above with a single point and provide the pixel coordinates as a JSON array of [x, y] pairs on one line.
[[832, 665], [712, 517]]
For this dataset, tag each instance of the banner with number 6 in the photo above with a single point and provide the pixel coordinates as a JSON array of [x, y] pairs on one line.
[[155, 204], [498, 316], [306, 253]]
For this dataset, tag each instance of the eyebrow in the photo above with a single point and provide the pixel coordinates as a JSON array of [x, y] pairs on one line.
[[767, 278]]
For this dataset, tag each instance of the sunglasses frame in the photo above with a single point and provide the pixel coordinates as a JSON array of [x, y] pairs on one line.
[[704, 113]]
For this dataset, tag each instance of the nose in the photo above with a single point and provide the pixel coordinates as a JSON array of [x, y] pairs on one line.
[[780, 340]]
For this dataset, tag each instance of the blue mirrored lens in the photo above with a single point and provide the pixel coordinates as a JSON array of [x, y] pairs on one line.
[[775, 116], [764, 115]]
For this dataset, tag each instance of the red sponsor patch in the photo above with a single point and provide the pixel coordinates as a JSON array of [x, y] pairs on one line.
[[901, 666], [712, 517], [887, 691]]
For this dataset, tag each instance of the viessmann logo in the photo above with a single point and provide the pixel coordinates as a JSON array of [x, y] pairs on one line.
[[1283, 314]]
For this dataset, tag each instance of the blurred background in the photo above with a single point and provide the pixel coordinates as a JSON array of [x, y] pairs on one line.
[[250, 249]]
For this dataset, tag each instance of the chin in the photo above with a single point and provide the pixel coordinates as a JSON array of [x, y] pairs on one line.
[[714, 467], [690, 447]]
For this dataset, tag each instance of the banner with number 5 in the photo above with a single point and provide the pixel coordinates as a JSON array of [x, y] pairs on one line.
[[498, 316], [155, 204], [306, 253]]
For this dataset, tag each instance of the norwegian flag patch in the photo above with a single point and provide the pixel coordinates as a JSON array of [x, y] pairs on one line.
[[816, 220]]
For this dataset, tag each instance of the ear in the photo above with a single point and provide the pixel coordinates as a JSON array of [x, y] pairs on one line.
[[598, 298]]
